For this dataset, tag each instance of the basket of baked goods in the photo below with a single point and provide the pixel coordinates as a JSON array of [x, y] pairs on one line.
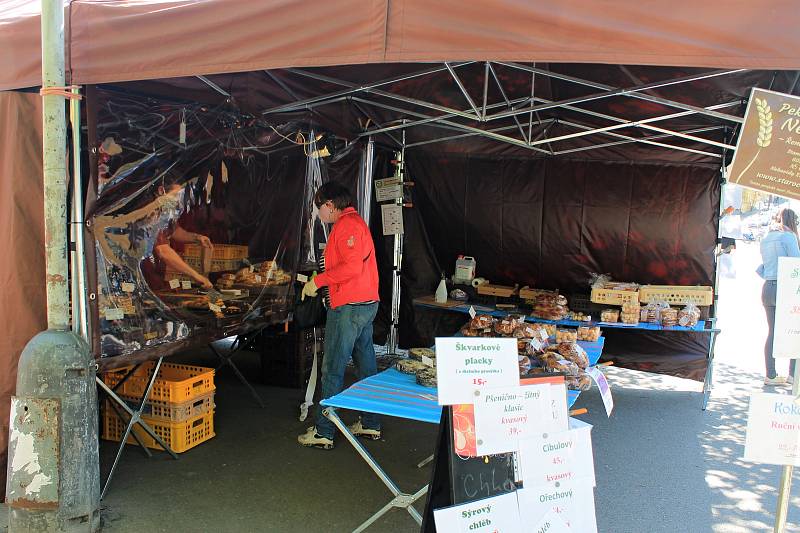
[[608, 292]]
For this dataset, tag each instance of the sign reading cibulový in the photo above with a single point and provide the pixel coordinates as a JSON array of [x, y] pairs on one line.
[[768, 150]]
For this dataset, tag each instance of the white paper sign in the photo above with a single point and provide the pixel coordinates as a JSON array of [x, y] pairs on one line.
[[128, 287], [113, 313], [428, 361], [472, 312], [215, 308], [392, 218], [787, 309], [185, 284], [605, 390], [564, 456], [388, 189], [505, 415], [174, 283], [773, 430], [552, 523], [558, 404], [465, 365], [257, 278], [573, 503], [499, 514]]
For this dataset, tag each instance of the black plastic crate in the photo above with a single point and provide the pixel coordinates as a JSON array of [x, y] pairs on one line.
[[287, 357]]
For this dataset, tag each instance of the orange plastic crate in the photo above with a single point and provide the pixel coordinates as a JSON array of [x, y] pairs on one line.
[[175, 383], [180, 436], [172, 412]]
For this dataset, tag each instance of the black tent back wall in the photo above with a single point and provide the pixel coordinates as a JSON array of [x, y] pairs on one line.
[[551, 223]]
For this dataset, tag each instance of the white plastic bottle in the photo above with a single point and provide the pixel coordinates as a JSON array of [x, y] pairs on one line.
[[441, 292]]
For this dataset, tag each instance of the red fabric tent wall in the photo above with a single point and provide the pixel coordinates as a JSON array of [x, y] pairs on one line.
[[22, 220]]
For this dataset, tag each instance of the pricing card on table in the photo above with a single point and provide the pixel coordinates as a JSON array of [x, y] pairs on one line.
[[491, 515], [503, 416], [466, 365], [558, 456], [572, 502]]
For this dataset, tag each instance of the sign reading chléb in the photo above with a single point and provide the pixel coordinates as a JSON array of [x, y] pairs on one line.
[[768, 150], [464, 365]]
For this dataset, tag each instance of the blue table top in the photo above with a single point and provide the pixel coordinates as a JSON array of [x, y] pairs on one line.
[[394, 393], [482, 309]]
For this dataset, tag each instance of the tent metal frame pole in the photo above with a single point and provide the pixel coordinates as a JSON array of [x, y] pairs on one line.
[[464, 135], [628, 140], [386, 94], [397, 259], [632, 92], [214, 86], [446, 124], [353, 87], [508, 104], [80, 322], [469, 99]]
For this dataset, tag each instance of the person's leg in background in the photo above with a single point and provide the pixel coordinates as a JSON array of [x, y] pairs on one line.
[[365, 363], [340, 335], [768, 294]]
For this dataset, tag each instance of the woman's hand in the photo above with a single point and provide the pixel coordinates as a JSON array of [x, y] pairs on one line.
[[204, 241], [204, 282]]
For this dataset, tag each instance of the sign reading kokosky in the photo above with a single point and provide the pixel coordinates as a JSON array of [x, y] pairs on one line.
[[768, 151]]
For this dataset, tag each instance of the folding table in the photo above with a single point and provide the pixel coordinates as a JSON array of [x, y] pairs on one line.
[[393, 393]]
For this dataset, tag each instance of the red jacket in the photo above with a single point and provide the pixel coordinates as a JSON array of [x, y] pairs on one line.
[[351, 272]]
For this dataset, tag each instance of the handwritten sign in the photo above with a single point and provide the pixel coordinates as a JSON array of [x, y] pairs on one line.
[[787, 309], [496, 514], [564, 456], [392, 218], [186, 284], [773, 430], [573, 503], [465, 365], [767, 154], [605, 390], [174, 283], [388, 189], [552, 523], [505, 415], [127, 287]]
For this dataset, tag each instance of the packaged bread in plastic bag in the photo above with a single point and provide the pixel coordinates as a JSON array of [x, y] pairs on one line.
[[689, 315]]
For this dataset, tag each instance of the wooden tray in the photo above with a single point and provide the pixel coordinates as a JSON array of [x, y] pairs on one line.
[[431, 300]]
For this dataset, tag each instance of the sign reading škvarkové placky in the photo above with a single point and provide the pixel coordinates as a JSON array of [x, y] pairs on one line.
[[787, 309], [465, 365]]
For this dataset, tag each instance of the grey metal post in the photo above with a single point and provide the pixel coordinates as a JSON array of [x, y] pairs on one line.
[[80, 322], [54, 474], [365, 183], [391, 347]]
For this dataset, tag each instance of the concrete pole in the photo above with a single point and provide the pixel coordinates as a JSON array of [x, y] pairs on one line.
[[54, 144]]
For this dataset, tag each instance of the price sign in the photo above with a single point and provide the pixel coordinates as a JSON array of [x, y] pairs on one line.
[[472, 312], [467, 364], [565, 456], [505, 415], [490, 515], [388, 189], [773, 430], [185, 284], [174, 283], [128, 287], [787, 309], [215, 308], [602, 385], [573, 503], [258, 278]]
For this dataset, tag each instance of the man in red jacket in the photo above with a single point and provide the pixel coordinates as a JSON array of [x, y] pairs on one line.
[[351, 275]]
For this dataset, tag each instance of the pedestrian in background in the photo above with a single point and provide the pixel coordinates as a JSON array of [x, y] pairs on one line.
[[780, 241]]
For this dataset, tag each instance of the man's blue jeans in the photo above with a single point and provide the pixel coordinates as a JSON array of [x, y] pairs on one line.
[[348, 332]]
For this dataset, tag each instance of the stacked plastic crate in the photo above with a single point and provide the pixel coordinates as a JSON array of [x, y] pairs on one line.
[[180, 407]]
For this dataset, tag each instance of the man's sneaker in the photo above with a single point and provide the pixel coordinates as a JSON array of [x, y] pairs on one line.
[[777, 380], [360, 431], [312, 438]]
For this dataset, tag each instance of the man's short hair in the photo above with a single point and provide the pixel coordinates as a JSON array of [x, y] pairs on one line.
[[334, 192]]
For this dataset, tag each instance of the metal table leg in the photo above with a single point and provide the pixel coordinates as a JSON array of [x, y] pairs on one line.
[[135, 418], [402, 500], [227, 359], [709, 378]]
